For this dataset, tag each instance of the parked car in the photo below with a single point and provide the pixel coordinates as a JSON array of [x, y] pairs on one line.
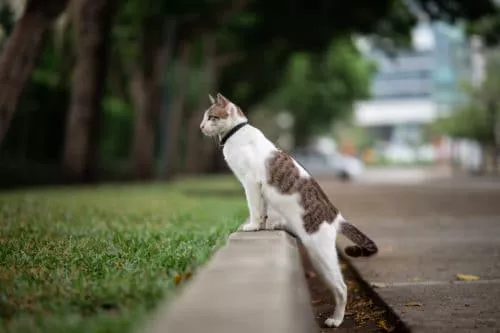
[[336, 164]]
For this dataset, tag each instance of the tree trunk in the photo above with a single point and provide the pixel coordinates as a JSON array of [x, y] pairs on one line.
[[200, 149], [92, 23], [146, 90], [174, 120], [194, 141], [210, 155], [21, 53], [146, 117], [495, 137]]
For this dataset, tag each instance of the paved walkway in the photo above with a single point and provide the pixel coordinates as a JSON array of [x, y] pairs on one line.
[[427, 233]]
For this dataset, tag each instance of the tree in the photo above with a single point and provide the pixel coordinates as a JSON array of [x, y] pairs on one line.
[[92, 23], [21, 53], [164, 29], [146, 92], [452, 10], [479, 119], [174, 121], [244, 29], [322, 88], [283, 27], [202, 80], [6, 23]]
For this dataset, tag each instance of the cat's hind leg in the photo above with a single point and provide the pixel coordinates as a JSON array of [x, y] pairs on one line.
[[274, 221], [323, 254]]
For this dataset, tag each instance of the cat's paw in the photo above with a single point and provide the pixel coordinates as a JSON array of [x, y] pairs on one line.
[[332, 322], [250, 227]]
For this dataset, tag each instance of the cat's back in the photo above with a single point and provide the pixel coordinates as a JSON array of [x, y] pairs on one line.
[[284, 173]]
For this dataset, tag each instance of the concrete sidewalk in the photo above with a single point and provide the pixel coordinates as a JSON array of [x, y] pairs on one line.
[[426, 235]]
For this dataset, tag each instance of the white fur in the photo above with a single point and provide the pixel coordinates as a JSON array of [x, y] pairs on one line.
[[246, 153]]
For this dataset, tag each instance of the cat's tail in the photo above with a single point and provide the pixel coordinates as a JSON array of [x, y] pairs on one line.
[[364, 247]]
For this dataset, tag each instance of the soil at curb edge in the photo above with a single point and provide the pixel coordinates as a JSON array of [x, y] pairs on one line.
[[365, 313]]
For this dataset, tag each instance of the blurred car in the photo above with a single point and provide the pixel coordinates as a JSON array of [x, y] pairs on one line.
[[336, 164]]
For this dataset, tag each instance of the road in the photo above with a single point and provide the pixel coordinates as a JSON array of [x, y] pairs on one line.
[[429, 230]]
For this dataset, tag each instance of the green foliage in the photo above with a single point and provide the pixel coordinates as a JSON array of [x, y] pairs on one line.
[[319, 89], [116, 137], [268, 33], [270, 43], [456, 9], [476, 120], [470, 121], [97, 259], [488, 27]]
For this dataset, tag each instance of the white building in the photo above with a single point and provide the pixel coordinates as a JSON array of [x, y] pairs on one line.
[[413, 88]]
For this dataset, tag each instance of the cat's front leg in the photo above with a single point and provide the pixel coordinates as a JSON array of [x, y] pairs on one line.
[[256, 207], [263, 219]]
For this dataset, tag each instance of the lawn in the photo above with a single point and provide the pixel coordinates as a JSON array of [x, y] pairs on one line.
[[97, 259]]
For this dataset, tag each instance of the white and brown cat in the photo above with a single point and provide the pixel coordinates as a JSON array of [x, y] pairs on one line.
[[275, 183]]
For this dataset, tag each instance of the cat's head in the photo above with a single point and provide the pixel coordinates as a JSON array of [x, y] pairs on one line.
[[221, 116]]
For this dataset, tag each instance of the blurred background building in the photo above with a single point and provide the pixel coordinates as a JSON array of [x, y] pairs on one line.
[[413, 87]]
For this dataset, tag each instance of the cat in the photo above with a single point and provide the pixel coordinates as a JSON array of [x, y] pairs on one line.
[[276, 184]]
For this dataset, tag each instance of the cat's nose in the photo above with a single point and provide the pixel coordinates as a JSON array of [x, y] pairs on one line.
[[201, 126]]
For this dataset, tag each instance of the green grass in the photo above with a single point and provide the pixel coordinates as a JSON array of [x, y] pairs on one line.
[[97, 259]]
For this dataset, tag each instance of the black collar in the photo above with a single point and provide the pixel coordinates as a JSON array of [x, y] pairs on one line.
[[230, 133]]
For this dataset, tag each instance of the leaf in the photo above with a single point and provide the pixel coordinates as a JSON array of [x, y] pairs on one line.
[[415, 304], [178, 278], [379, 285], [467, 277], [383, 325]]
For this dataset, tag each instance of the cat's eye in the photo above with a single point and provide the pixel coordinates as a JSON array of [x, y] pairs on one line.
[[212, 118]]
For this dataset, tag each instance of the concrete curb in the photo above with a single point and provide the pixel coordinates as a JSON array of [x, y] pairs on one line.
[[253, 284]]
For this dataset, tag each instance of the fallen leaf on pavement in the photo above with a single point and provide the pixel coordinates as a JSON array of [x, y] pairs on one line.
[[413, 304], [467, 277], [379, 285], [383, 325]]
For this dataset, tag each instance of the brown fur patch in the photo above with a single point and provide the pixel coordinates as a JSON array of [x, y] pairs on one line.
[[285, 176], [218, 111], [364, 245]]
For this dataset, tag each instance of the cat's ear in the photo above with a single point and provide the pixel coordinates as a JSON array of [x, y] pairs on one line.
[[212, 100], [222, 101]]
